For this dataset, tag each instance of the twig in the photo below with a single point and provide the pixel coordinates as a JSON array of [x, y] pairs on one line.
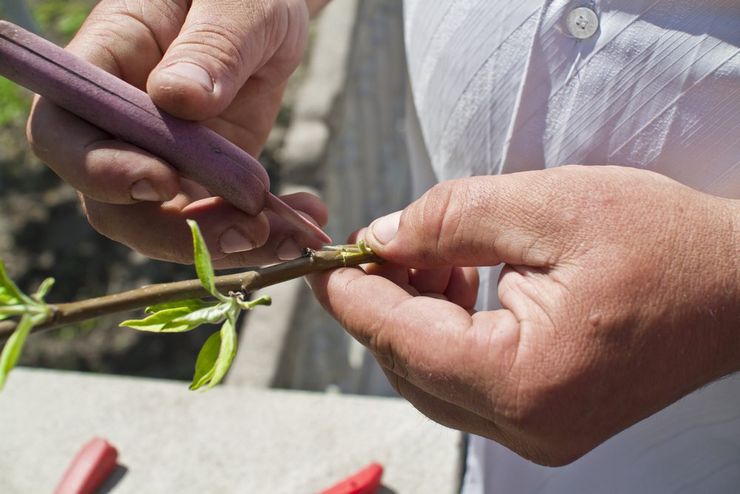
[[249, 281]]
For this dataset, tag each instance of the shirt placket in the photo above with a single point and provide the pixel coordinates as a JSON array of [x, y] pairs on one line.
[[567, 31]]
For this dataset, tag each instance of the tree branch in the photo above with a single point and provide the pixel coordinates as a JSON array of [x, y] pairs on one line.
[[248, 281]]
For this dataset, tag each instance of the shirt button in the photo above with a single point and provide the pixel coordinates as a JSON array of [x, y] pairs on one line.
[[582, 23]]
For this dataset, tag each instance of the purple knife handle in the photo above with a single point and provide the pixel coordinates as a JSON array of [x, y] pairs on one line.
[[128, 113]]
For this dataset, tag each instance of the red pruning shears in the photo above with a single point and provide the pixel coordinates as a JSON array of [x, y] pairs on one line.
[[366, 481]]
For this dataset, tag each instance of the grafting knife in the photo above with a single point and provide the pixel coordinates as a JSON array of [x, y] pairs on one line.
[[129, 114]]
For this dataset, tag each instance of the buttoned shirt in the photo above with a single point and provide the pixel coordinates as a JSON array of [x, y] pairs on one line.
[[500, 86]]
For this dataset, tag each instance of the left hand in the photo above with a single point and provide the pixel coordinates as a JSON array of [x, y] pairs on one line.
[[620, 295], [223, 63]]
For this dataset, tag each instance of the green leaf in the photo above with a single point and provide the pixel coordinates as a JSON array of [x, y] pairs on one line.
[[203, 265], [43, 289], [14, 347], [7, 311], [207, 315], [181, 319], [159, 322], [205, 365], [9, 292], [192, 304], [251, 304], [216, 356], [227, 351]]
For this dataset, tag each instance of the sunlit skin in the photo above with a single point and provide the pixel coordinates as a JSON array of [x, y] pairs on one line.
[[621, 287], [621, 294]]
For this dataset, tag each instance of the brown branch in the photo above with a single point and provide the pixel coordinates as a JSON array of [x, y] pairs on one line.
[[249, 281]]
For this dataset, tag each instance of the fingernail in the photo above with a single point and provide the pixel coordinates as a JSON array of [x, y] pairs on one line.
[[233, 240], [191, 72], [143, 190], [288, 250], [385, 228]]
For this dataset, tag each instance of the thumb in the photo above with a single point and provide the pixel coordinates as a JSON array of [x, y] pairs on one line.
[[223, 43], [478, 221]]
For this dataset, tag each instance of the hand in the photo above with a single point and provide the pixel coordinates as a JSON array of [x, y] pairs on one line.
[[221, 62], [620, 294]]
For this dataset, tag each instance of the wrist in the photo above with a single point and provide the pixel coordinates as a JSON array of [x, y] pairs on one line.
[[702, 288], [733, 207], [722, 264]]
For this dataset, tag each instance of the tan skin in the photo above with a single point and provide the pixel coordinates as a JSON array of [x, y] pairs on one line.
[[620, 295], [621, 291], [248, 50]]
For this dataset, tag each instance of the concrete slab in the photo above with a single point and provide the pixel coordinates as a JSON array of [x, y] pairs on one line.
[[264, 332], [230, 440], [327, 68]]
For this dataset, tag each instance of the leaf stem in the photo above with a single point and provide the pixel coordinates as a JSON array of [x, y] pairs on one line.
[[68, 313]]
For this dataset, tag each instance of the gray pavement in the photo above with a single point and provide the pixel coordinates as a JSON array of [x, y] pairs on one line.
[[230, 440]]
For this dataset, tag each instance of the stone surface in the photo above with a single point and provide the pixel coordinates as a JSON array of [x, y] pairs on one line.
[[365, 175], [229, 440], [263, 336], [354, 85], [327, 70], [304, 146]]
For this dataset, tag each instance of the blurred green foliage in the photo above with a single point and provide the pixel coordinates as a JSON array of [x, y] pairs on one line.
[[13, 103], [60, 18]]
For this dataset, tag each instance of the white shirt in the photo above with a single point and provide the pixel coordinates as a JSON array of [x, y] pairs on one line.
[[502, 86]]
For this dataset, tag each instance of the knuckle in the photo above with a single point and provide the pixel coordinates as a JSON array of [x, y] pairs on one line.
[[221, 43], [173, 11], [140, 27], [449, 215]]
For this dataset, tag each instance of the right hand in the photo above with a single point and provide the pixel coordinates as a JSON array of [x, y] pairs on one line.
[[620, 295], [221, 62]]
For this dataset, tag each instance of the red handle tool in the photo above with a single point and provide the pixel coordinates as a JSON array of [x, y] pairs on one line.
[[90, 467], [366, 481]]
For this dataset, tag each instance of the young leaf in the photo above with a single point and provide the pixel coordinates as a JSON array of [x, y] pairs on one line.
[[213, 363], [14, 346], [206, 362], [180, 319], [159, 322], [9, 292], [43, 289], [206, 315], [7, 311], [251, 304], [203, 266], [192, 304], [227, 351]]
